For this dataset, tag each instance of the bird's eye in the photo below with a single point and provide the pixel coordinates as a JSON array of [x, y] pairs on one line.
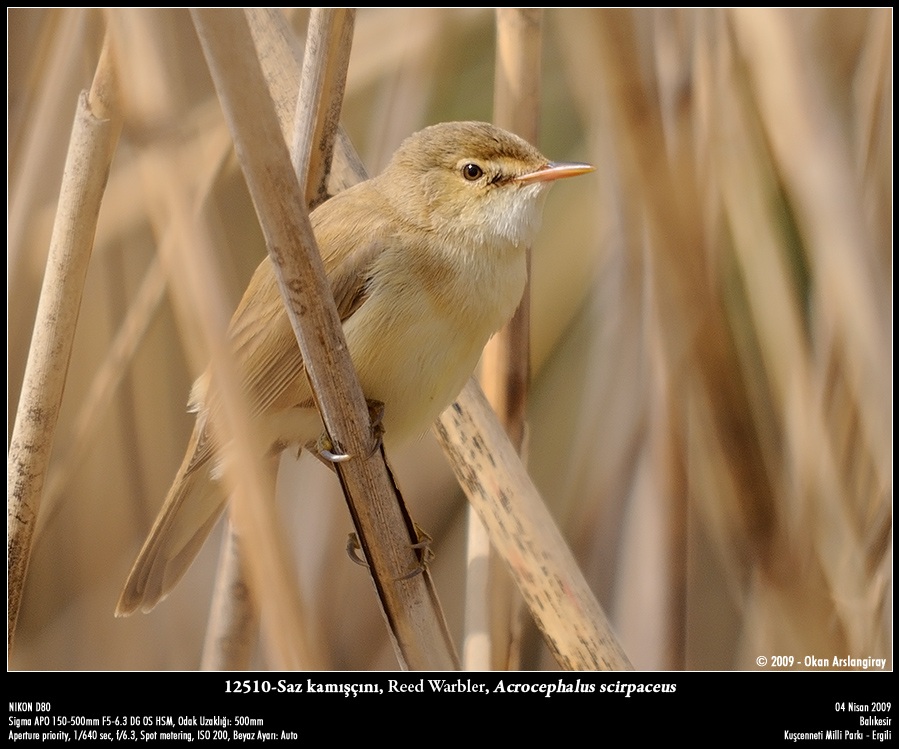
[[472, 172]]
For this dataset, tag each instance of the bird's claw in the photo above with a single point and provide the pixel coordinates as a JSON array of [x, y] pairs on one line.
[[332, 453], [423, 547], [352, 548], [376, 416], [425, 552]]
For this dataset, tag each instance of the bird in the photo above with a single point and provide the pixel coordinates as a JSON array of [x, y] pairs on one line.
[[426, 261]]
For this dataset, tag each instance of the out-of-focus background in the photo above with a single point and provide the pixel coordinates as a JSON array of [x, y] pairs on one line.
[[711, 416]]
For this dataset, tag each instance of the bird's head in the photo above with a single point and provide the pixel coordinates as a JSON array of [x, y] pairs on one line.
[[473, 180]]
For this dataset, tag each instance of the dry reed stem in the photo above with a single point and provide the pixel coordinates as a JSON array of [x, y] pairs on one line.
[[478, 642], [610, 392], [234, 617], [873, 98], [506, 361], [93, 142], [745, 189], [803, 380], [421, 638], [505, 373], [635, 461], [673, 43], [326, 60], [322, 84], [103, 388], [414, 61], [280, 58], [817, 166], [694, 328], [251, 484], [835, 379], [194, 276], [30, 159], [497, 485], [234, 620], [175, 195], [273, 39]]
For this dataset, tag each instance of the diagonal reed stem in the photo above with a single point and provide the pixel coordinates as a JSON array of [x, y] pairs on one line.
[[497, 485], [95, 134], [420, 633]]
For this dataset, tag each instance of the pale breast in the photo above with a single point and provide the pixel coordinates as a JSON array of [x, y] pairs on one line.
[[419, 336]]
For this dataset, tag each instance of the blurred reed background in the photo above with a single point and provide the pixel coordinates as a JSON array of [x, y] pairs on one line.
[[711, 415]]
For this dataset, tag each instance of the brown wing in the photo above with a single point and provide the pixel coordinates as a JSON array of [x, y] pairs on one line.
[[263, 340]]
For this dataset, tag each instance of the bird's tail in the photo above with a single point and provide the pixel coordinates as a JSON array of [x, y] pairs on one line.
[[191, 509]]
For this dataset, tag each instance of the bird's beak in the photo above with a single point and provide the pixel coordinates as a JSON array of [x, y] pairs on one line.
[[554, 170]]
